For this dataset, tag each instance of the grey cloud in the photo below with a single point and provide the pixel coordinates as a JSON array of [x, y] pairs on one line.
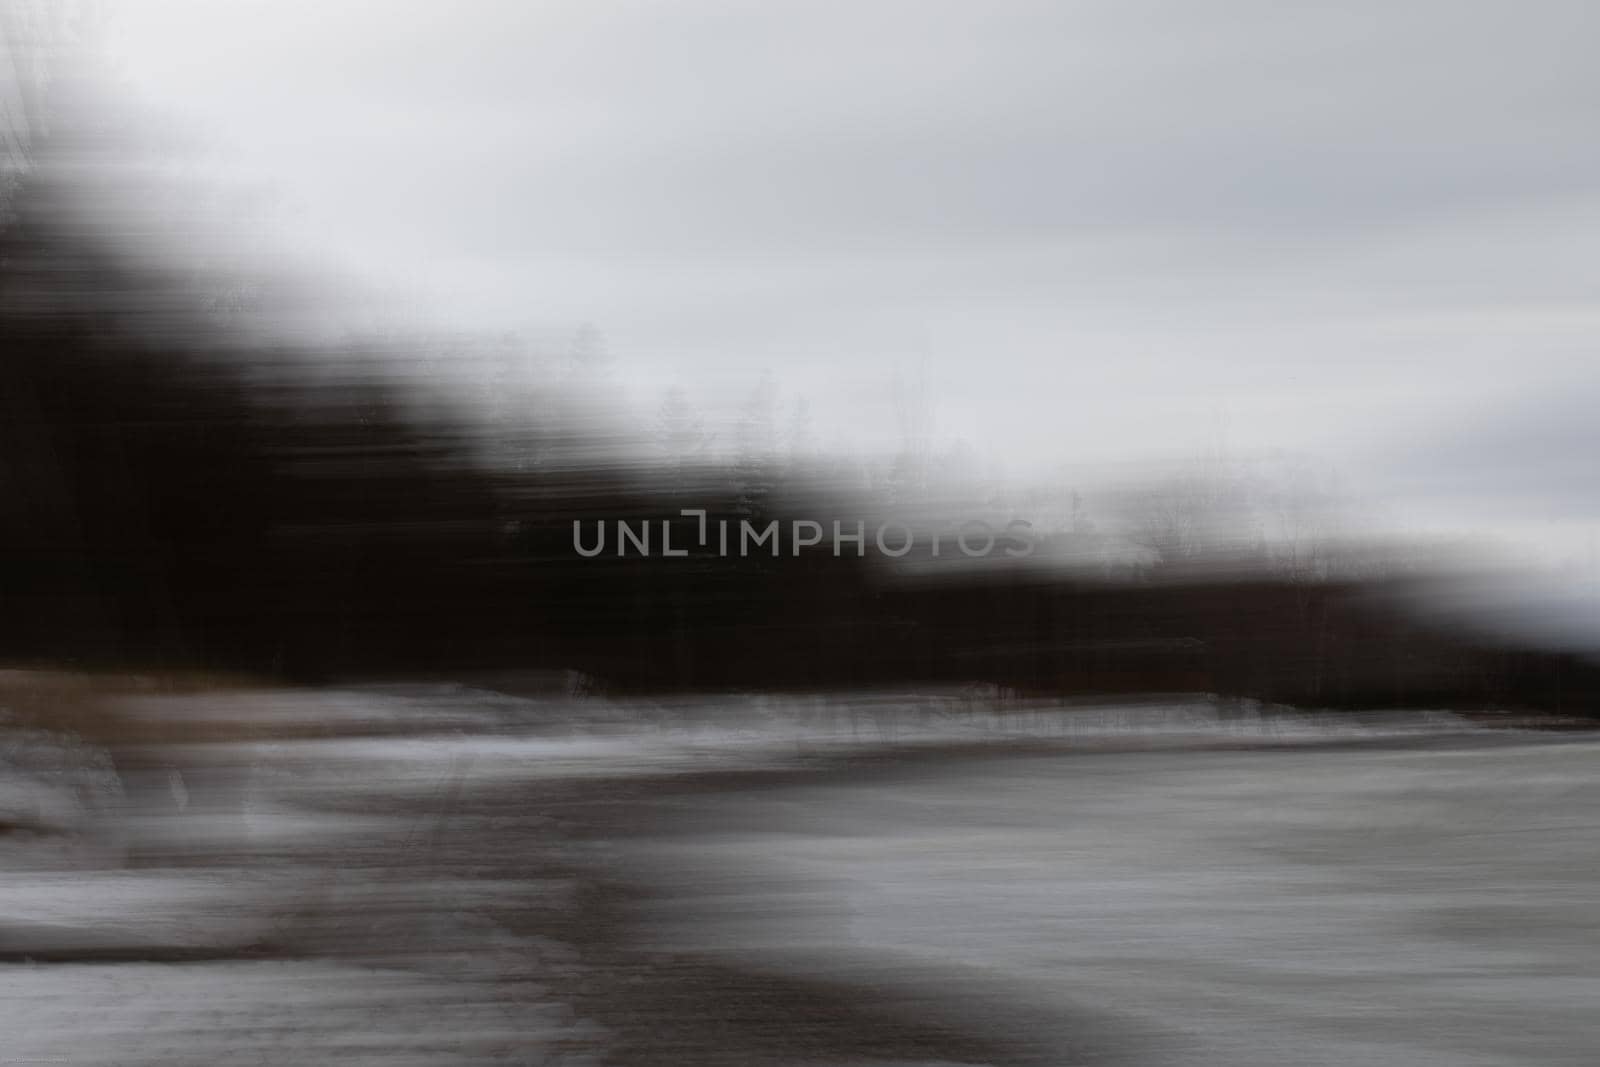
[[1333, 219]]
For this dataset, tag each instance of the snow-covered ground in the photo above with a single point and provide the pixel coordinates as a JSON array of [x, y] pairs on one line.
[[441, 875]]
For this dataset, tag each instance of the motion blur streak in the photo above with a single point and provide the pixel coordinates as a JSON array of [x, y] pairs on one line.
[[325, 736]]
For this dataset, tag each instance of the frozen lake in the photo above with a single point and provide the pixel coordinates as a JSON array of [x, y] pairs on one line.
[[1427, 906]]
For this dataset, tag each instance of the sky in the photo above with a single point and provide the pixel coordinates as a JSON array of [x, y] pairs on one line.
[[1096, 232]]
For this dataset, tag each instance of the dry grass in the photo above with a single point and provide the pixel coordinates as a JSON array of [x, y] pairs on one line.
[[98, 708]]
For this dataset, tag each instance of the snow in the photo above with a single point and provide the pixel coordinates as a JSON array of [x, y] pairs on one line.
[[1155, 881]]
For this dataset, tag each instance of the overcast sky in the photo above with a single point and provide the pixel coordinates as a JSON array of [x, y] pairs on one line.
[[1367, 232]]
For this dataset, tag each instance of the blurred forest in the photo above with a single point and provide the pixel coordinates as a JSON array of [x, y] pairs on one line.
[[182, 493]]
